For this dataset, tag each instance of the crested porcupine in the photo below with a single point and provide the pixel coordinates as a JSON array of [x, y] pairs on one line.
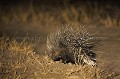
[[71, 45]]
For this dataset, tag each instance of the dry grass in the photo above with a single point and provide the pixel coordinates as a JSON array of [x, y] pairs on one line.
[[19, 61], [92, 14], [17, 58]]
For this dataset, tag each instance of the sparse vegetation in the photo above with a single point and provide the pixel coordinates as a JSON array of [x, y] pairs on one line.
[[85, 12], [19, 61]]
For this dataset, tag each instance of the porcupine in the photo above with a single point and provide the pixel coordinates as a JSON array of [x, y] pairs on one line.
[[71, 45]]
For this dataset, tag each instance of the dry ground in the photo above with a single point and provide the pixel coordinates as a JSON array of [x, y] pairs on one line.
[[37, 65]]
